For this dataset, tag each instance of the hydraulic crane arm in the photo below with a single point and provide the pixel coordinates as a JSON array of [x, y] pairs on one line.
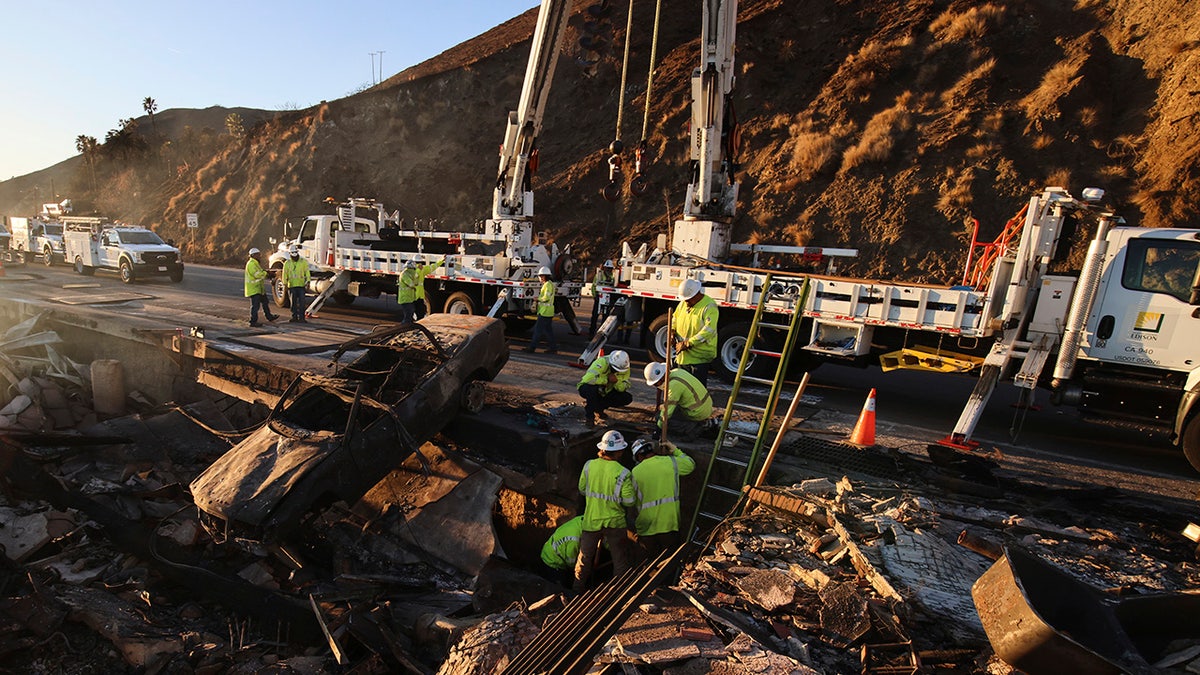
[[713, 190], [513, 199]]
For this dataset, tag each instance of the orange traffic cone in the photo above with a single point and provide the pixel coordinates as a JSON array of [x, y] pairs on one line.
[[864, 429]]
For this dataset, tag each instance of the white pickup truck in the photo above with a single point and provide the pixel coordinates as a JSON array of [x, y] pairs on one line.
[[133, 251]]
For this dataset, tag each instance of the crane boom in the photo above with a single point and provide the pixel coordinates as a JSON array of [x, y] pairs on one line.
[[513, 198], [713, 191]]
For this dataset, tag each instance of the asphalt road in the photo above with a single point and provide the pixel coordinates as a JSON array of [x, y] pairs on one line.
[[920, 406]]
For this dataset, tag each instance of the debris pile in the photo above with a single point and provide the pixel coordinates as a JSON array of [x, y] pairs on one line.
[[40, 389]]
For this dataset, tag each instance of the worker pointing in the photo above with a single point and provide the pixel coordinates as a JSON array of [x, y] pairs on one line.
[[607, 488], [656, 492], [406, 292], [423, 270], [695, 324], [605, 385]]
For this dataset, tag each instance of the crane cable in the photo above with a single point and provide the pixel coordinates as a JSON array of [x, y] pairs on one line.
[[624, 70], [650, 73]]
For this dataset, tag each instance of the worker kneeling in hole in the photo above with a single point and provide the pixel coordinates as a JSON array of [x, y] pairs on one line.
[[607, 488], [605, 385], [561, 552], [656, 492], [684, 393]]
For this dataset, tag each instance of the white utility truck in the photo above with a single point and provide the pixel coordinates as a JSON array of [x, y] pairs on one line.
[[351, 255], [1119, 339], [36, 236], [134, 252]]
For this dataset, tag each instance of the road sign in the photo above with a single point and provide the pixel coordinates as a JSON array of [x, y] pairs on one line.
[[193, 220]]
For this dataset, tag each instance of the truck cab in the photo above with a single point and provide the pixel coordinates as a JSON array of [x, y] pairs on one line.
[[50, 243]]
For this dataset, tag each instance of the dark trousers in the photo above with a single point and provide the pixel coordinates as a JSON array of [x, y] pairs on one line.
[[654, 545], [543, 328], [596, 401], [260, 300], [699, 371], [419, 308], [297, 302], [589, 547], [408, 312]]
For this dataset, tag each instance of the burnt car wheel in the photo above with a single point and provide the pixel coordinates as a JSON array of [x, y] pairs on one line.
[[473, 396]]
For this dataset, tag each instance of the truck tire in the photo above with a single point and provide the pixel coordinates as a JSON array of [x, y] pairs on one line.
[[343, 298], [80, 268], [126, 271], [459, 303], [731, 342], [25, 256], [1190, 442], [47, 256], [176, 275], [279, 291], [656, 344]]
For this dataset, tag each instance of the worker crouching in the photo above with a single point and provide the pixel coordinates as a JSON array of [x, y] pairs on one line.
[[608, 491], [605, 385], [684, 394]]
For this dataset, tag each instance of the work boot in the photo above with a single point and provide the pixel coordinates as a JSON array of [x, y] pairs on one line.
[[602, 416], [293, 320], [255, 324], [272, 318]]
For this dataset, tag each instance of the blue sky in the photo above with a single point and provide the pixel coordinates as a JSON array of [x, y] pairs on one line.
[[78, 67]]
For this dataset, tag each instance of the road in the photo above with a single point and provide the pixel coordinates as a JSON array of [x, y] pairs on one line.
[[914, 405]]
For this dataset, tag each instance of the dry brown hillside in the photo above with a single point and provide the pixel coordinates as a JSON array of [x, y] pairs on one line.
[[882, 126]]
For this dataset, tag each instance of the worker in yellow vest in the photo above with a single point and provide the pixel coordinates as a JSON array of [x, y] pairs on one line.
[[656, 492], [684, 394], [406, 291], [605, 385], [561, 551], [607, 488], [295, 276], [423, 270], [253, 283], [544, 328], [695, 326]]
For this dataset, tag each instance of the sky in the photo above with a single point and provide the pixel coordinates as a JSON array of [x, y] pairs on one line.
[[74, 67]]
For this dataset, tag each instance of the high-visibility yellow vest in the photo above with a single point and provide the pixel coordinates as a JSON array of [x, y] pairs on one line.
[[545, 300], [697, 325], [597, 374], [656, 488], [607, 488], [685, 392], [295, 272], [254, 277], [562, 548]]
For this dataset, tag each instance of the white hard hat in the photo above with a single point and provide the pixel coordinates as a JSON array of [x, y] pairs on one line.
[[690, 288], [654, 373], [619, 361], [608, 264], [254, 251], [612, 441], [643, 445], [293, 251], [410, 265], [544, 272]]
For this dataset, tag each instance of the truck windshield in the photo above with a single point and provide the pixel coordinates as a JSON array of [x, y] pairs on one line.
[[1161, 266], [54, 229], [139, 237]]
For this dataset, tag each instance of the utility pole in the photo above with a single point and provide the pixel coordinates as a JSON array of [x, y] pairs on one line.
[[381, 53], [372, 66]]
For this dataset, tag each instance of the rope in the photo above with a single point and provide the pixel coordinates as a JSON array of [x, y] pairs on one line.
[[624, 70], [650, 73]]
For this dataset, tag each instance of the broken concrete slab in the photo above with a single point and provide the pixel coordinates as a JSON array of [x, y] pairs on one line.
[[22, 535]]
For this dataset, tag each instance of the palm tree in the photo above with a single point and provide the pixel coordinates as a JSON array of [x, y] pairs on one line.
[[233, 124], [151, 106], [86, 145]]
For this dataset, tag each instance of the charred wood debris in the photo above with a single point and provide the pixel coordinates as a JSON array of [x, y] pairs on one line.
[[106, 568]]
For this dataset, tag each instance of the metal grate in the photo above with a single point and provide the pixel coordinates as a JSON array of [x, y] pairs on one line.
[[842, 456]]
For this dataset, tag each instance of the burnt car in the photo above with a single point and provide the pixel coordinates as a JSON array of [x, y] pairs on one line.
[[333, 437]]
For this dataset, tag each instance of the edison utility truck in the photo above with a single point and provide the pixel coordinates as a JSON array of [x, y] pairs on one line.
[[1120, 340]]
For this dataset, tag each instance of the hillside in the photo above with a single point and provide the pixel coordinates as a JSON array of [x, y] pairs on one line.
[[882, 127]]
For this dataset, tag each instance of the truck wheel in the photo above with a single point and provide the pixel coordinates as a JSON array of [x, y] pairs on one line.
[[48, 257], [25, 256], [731, 341], [1191, 441], [176, 275], [343, 298], [279, 291], [656, 348], [85, 270], [126, 271], [459, 303]]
